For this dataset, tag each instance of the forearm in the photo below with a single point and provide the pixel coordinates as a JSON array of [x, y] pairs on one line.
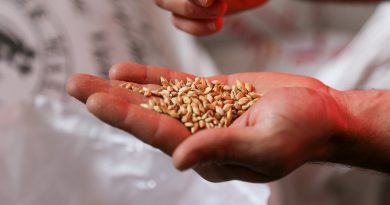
[[365, 139]]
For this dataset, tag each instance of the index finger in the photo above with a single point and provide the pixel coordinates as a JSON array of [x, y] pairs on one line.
[[144, 74], [158, 130]]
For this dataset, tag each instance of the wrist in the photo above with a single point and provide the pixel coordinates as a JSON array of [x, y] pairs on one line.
[[363, 139]]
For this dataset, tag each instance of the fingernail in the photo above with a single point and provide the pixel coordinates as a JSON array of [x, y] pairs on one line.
[[205, 3]]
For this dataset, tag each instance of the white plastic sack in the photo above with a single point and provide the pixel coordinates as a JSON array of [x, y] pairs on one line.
[[51, 150], [50, 154]]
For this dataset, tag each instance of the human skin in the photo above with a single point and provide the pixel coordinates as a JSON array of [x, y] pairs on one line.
[[205, 17], [298, 120]]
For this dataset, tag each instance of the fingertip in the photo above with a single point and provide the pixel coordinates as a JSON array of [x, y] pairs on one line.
[[94, 102], [78, 85], [108, 108], [71, 84], [115, 72], [183, 160], [198, 27], [194, 149]]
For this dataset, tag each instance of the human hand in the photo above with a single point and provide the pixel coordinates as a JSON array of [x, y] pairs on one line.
[[203, 17], [291, 125]]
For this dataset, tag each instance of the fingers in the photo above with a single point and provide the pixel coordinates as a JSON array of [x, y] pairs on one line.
[[215, 146], [222, 173], [198, 27], [144, 74], [202, 10], [197, 17], [81, 86], [271, 157], [158, 130]]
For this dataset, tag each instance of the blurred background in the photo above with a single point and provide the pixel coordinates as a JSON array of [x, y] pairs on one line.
[[53, 152]]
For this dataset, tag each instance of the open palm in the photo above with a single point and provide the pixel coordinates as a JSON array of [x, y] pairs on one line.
[[289, 126]]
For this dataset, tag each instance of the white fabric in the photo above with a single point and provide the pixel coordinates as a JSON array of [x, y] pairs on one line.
[[365, 63]]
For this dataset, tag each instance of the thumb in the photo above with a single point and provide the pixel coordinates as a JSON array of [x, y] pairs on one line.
[[225, 145]]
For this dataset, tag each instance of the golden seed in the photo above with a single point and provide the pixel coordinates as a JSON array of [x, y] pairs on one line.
[[237, 106], [189, 124], [227, 88], [240, 86], [145, 106], [217, 97], [219, 110], [184, 89], [195, 108], [157, 108], [216, 82], [248, 87], [227, 107], [198, 103], [243, 101], [202, 124], [175, 88]]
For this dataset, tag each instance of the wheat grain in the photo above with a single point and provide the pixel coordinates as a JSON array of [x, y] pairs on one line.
[[198, 103]]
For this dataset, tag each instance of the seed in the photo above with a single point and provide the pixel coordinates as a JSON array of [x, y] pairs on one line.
[[148, 93], [145, 106], [227, 107], [240, 85], [186, 100], [175, 87], [194, 128], [184, 119], [184, 89], [217, 97], [245, 107], [198, 103], [216, 82], [228, 102], [208, 89], [219, 110], [254, 95], [164, 93], [189, 124], [243, 101], [195, 108], [248, 87], [227, 88], [157, 108], [164, 82]]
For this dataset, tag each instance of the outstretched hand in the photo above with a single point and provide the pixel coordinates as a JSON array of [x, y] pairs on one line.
[[291, 125]]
